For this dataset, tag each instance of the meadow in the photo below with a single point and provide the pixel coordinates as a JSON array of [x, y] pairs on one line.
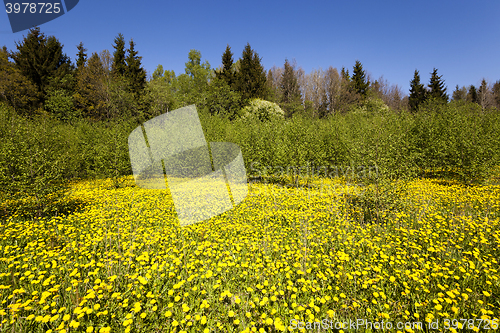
[[414, 242], [122, 263]]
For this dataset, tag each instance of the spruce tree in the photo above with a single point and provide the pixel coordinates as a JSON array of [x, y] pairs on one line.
[[459, 94], [496, 94], [251, 77], [290, 93], [93, 93], [437, 88], [119, 66], [81, 56], [359, 82], [134, 72], [41, 59], [472, 94], [344, 73], [227, 73], [16, 89], [417, 92]]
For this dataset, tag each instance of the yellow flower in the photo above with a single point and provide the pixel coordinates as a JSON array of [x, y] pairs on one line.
[[90, 329]]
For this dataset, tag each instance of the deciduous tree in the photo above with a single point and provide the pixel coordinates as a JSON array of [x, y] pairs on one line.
[[16, 89]]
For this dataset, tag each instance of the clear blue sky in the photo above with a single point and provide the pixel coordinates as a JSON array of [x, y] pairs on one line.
[[391, 38]]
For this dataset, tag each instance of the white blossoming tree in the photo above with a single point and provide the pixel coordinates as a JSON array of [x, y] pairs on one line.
[[262, 110]]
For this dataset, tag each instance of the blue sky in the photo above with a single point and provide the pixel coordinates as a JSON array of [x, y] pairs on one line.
[[391, 38]]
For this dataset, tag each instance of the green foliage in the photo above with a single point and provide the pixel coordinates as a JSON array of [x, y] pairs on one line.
[[222, 100], [262, 110], [291, 100], [119, 66], [60, 104], [15, 89], [359, 81], [32, 164], [457, 141], [81, 56], [418, 94], [92, 89], [472, 94], [251, 77], [41, 58], [158, 94], [437, 89], [135, 73], [459, 94], [227, 73]]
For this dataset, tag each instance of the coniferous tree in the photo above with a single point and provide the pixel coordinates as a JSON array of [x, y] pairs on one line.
[[119, 66], [92, 96], [81, 56], [134, 71], [227, 73], [472, 94], [290, 93], [359, 82], [459, 94], [417, 92], [251, 77], [344, 73], [40, 59], [437, 90], [496, 93], [16, 89]]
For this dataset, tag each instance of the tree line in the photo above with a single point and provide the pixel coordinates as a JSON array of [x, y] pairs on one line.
[[42, 79]]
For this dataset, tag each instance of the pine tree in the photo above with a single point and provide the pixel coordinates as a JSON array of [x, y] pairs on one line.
[[251, 77], [119, 66], [290, 93], [359, 82], [227, 73], [40, 59], [437, 89], [417, 92], [81, 56], [134, 72]]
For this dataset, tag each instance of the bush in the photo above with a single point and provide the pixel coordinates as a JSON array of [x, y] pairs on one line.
[[262, 110]]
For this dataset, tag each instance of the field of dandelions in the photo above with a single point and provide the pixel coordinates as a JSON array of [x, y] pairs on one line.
[[284, 257]]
